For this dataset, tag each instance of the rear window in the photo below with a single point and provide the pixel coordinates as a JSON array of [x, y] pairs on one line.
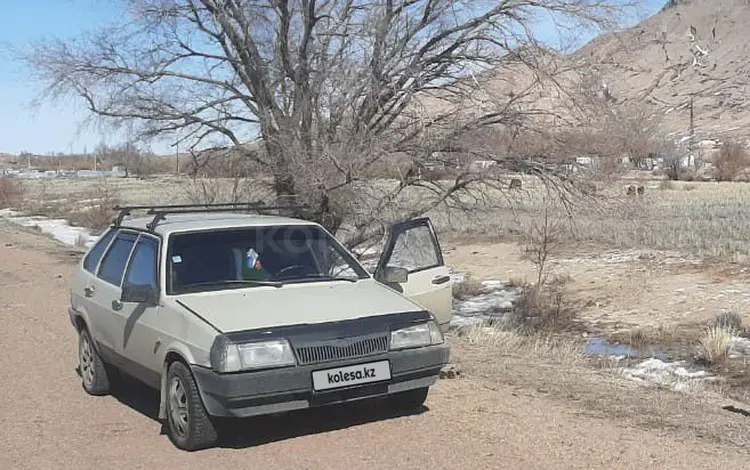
[[92, 259], [114, 262]]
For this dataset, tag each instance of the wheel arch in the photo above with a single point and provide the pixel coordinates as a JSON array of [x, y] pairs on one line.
[[174, 353]]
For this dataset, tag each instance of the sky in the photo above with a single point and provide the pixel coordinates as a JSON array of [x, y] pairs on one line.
[[57, 127]]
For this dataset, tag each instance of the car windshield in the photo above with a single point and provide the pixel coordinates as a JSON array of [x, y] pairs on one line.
[[250, 257]]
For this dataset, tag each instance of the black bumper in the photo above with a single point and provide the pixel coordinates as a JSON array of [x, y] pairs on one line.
[[275, 391]]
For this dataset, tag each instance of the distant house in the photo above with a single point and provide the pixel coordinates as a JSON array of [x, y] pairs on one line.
[[481, 165]]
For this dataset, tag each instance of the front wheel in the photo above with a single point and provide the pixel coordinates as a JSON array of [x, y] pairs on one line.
[[410, 400], [188, 425]]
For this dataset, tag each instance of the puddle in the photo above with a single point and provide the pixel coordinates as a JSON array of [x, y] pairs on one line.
[[599, 346], [602, 347]]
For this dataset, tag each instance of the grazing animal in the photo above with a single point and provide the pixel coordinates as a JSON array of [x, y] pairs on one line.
[[631, 190], [588, 188], [515, 183], [641, 190]]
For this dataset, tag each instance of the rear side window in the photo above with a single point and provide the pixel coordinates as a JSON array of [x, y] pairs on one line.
[[143, 267], [114, 262], [92, 259]]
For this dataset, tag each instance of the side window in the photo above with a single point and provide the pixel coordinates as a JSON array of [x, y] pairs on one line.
[[92, 259], [415, 250], [114, 262], [143, 265]]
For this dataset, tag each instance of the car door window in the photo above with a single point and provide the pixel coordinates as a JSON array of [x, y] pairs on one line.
[[415, 250], [143, 265], [114, 262], [91, 261]]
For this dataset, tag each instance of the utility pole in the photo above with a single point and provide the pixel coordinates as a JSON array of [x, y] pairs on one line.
[[691, 156], [176, 145]]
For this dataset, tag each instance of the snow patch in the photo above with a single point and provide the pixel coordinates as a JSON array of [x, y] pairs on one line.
[[670, 374], [496, 300], [59, 229], [740, 347]]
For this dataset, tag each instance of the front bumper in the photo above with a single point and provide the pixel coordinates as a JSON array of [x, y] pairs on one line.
[[278, 390]]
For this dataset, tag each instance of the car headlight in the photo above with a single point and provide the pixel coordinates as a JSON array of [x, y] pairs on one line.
[[227, 356], [415, 336]]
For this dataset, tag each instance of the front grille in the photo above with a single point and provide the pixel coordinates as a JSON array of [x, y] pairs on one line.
[[341, 349]]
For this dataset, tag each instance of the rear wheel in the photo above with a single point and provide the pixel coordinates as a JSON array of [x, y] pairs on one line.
[[94, 376], [411, 399], [188, 425]]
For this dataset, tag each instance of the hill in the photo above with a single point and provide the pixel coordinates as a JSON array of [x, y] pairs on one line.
[[695, 48]]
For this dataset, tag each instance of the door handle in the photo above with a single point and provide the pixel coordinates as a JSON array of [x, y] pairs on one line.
[[441, 279], [116, 305], [88, 291]]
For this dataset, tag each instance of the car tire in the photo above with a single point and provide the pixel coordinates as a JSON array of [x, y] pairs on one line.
[[188, 424], [94, 376], [411, 399]]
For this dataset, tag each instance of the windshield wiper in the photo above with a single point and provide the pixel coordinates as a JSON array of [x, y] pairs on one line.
[[235, 282], [329, 278]]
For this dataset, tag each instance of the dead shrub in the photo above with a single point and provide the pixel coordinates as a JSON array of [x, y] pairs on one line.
[[11, 192], [96, 209], [731, 161], [81, 240], [543, 240], [211, 190], [545, 308]]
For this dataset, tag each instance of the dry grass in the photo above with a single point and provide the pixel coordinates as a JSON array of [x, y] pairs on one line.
[[470, 287], [517, 281], [667, 185], [710, 221], [554, 367], [713, 347], [729, 321], [643, 337], [94, 209], [519, 343]]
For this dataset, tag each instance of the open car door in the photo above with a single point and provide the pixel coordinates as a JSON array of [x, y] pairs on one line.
[[413, 246]]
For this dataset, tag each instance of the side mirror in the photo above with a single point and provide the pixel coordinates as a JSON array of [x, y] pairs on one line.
[[140, 294], [396, 275]]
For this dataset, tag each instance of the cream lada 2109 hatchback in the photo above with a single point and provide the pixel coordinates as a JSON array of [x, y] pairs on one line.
[[233, 314]]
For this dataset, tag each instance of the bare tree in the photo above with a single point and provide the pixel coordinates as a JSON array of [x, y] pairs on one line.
[[331, 87]]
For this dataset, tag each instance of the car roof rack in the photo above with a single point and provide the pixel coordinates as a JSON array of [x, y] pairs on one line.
[[160, 211]]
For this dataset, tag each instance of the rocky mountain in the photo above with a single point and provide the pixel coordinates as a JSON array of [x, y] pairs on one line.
[[695, 50]]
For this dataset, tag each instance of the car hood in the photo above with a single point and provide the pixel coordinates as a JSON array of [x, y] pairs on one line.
[[294, 304]]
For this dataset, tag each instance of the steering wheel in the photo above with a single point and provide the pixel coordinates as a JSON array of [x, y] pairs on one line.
[[294, 267]]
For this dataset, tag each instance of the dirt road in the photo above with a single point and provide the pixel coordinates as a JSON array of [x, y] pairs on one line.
[[48, 422]]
